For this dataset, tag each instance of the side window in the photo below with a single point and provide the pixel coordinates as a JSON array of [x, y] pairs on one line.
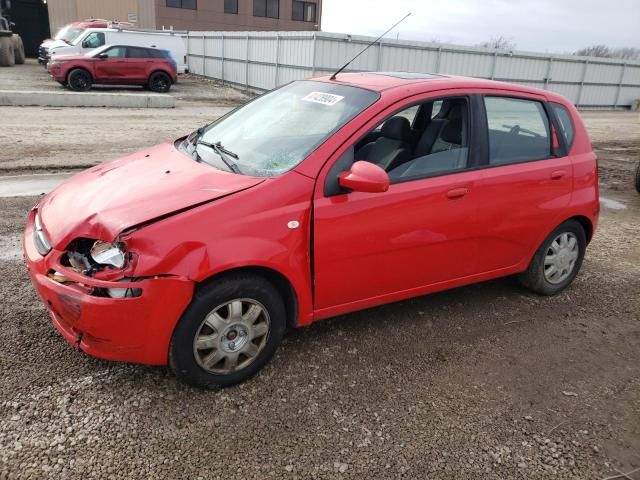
[[135, 52], [409, 114], [115, 52], [437, 106], [440, 147], [566, 124], [518, 130], [93, 40]]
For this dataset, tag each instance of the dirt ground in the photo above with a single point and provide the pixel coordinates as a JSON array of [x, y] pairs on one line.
[[488, 381]]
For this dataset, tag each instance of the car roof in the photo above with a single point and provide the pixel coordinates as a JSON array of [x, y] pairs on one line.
[[425, 82]]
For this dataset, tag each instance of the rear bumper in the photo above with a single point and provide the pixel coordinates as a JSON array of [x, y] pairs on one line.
[[136, 329]]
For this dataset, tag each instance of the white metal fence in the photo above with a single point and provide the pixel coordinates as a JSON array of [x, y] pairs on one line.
[[263, 60]]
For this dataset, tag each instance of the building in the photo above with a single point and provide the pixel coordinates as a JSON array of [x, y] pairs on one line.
[[221, 15]]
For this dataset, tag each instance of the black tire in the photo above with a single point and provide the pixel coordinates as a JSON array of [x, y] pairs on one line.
[[159, 82], [638, 177], [18, 49], [79, 80], [182, 351], [64, 84], [534, 277], [7, 55]]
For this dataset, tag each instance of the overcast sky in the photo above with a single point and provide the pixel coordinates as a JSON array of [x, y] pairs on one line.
[[536, 25]]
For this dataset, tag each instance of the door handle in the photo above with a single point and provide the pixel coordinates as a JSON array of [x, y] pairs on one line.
[[558, 174], [457, 193]]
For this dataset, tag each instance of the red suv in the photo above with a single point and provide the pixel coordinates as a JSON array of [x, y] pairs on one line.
[[317, 199], [115, 64]]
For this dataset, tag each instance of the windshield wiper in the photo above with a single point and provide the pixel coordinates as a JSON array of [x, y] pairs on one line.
[[222, 152]]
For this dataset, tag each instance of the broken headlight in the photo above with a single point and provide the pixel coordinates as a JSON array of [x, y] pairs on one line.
[[104, 253]]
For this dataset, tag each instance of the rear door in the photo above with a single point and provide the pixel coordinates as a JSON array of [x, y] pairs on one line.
[[112, 69], [526, 185], [138, 63]]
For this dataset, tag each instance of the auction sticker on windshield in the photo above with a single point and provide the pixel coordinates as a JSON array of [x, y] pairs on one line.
[[324, 98]]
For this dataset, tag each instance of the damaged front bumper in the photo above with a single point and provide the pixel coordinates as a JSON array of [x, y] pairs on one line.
[[131, 329]]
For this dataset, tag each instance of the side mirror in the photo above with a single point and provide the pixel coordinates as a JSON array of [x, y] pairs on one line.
[[365, 177], [103, 56]]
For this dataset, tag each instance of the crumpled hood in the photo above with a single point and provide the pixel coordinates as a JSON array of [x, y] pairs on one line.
[[107, 199]]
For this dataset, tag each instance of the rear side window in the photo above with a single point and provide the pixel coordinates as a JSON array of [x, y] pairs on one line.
[[518, 130], [135, 52], [565, 122]]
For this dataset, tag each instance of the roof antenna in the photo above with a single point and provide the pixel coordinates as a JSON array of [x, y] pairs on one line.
[[333, 77]]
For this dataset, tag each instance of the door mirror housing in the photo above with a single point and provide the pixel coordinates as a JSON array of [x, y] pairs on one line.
[[103, 56], [365, 177]]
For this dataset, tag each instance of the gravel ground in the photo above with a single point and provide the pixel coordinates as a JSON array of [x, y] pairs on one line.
[[487, 381]]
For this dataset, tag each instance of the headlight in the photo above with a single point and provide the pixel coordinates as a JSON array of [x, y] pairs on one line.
[[104, 253], [43, 245]]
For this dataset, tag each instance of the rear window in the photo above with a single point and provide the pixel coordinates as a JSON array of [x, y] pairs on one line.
[[518, 130], [566, 124]]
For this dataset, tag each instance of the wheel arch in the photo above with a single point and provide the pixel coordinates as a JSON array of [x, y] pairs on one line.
[[277, 279], [586, 224]]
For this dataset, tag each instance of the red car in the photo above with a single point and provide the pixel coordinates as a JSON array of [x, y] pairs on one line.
[[316, 199], [115, 65]]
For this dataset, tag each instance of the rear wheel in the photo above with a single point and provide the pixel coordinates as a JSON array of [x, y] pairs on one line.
[[18, 50], [7, 55], [557, 261], [228, 333], [79, 80], [159, 82]]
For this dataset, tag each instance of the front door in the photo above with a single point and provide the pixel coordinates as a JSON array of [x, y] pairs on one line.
[[113, 68], [369, 247]]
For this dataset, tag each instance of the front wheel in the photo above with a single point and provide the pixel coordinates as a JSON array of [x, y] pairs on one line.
[[557, 261], [229, 332], [79, 80], [159, 82], [638, 177]]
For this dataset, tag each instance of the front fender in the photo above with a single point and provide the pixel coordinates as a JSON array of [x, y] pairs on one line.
[[252, 228]]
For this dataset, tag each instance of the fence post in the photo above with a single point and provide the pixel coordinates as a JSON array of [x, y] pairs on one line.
[[188, 55], [222, 61], [277, 59], [622, 72], [438, 58], [313, 56], [493, 64], [204, 55], [246, 66], [547, 75], [584, 76]]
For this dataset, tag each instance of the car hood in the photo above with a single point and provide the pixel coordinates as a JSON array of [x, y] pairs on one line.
[[56, 44], [105, 200]]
